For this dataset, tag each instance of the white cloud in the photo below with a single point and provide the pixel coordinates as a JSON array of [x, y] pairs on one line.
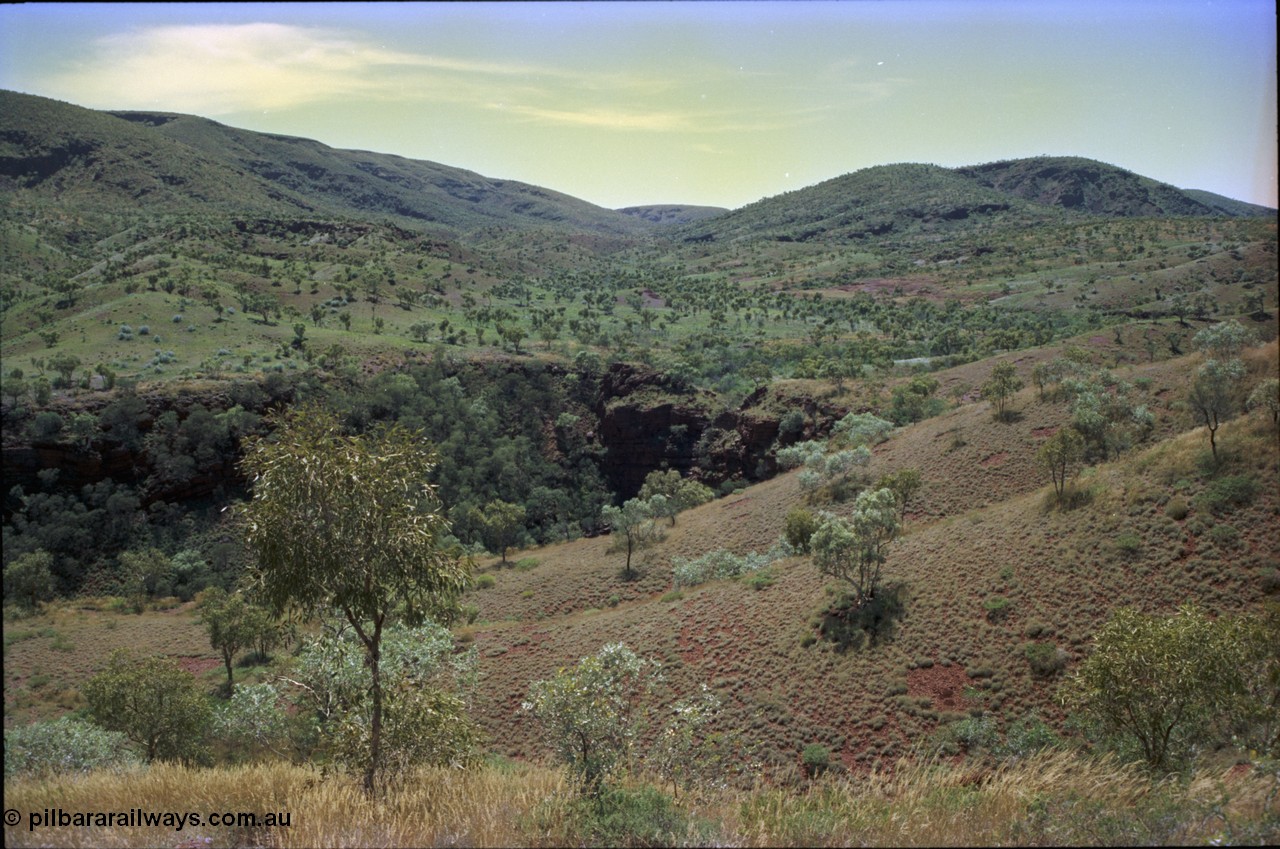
[[217, 69]]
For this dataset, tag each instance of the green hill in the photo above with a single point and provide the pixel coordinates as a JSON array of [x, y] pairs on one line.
[[163, 162], [1085, 185]]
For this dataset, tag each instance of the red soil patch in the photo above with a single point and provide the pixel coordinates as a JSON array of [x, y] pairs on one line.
[[943, 685], [996, 459], [1044, 432], [197, 666]]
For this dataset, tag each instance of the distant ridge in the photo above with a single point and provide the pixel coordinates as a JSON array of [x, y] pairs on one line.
[[160, 161], [673, 213], [908, 200], [156, 160], [1085, 185]]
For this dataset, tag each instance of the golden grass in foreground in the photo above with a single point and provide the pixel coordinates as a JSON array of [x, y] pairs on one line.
[[1054, 798]]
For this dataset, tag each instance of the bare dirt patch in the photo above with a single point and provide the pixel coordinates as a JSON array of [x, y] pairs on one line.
[[942, 685]]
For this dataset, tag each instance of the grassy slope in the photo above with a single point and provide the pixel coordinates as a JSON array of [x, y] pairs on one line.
[[981, 531]]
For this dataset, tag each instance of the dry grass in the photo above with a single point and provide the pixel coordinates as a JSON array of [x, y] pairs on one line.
[[1054, 798]]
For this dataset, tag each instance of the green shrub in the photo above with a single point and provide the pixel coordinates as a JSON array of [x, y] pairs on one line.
[[760, 580], [1226, 494], [1225, 536], [484, 582], [64, 745], [816, 759], [1177, 508], [798, 528], [971, 733], [1128, 544], [998, 608], [674, 595], [624, 816], [1027, 736], [524, 564], [1046, 658], [46, 425]]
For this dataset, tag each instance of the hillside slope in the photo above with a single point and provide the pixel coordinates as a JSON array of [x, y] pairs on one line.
[[929, 201], [1085, 185], [980, 533], [180, 163]]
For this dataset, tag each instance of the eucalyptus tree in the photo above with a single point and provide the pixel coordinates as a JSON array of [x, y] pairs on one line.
[[349, 522]]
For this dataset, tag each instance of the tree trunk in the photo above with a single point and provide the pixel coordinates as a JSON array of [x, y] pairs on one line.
[[226, 658], [375, 722]]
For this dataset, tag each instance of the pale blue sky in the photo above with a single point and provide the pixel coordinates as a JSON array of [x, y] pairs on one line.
[[717, 103]]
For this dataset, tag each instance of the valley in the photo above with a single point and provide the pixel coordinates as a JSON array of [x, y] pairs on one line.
[[174, 288]]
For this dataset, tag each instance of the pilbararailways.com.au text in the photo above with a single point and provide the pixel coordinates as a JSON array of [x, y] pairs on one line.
[[139, 818]]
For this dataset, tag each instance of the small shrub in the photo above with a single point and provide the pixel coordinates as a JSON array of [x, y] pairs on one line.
[[526, 563], [760, 580], [1128, 544], [674, 595], [998, 608], [1027, 736], [144, 330], [1225, 536], [799, 527], [62, 746], [1177, 508], [815, 759], [177, 319], [1229, 493], [972, 733], [46, 425], [1046, 658], [623, 816], [613, 600], [484, 582]]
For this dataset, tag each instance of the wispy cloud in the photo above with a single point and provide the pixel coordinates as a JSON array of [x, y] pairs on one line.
[[222, 69], [216, 69]]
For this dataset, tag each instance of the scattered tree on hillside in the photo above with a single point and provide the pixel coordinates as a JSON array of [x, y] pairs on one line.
[[680, 493], [1266, 396], [1215, 395], [853, 549], [28, 579], [350, 522], [1000, 388], [501, 527], [593, 712], [1163, 682], [1058, 454], [915, 401], [152, 702], [1215, 392], [1224, 340], [633, 525], [904, 484], [232, 623]]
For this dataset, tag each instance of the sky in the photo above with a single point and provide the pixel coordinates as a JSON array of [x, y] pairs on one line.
[[712, 103]]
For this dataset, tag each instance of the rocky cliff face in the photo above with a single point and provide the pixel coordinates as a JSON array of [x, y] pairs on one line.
[[644, 422], [647, 424]]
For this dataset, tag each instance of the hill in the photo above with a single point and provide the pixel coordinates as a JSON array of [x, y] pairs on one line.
[[148, 161], [927, 202]]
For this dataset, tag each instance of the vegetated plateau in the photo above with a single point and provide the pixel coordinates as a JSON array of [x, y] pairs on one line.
[[845, 504]]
